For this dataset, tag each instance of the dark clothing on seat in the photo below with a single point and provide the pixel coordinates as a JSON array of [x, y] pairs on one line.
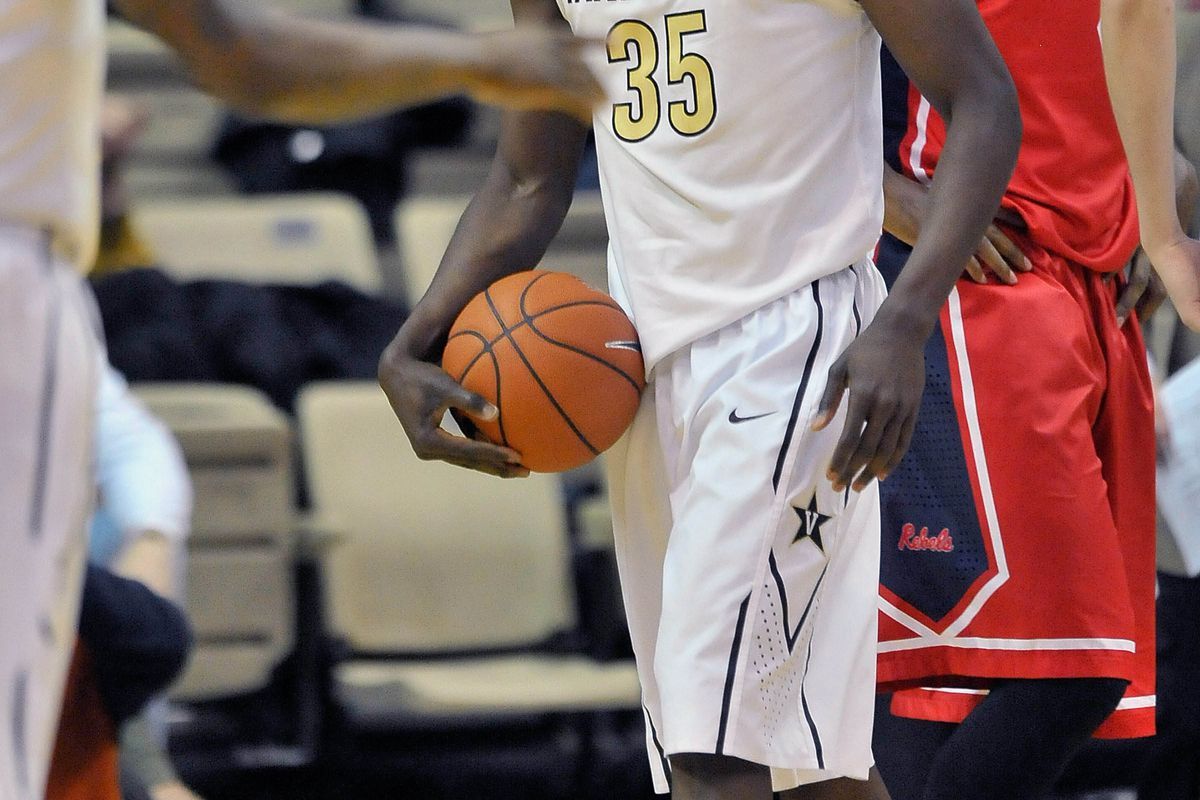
[[275, 338]]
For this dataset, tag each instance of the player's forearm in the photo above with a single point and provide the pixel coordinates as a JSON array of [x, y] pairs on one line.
[[901, 195], [983, 137], [500, 233], [323, 72], [1139, 61], [283, 66], [506, 228]]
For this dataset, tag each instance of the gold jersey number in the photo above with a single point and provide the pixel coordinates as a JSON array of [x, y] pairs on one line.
[[634, 43]]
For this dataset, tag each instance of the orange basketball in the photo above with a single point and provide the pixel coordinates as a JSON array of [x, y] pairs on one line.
[[558, 358]]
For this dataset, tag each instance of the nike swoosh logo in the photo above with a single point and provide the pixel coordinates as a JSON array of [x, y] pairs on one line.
[[735, 419], [624, 345]]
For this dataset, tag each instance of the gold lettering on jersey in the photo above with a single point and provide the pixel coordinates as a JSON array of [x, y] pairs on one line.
[[635, 45]]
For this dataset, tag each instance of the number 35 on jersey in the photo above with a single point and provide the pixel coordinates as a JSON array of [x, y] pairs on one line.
[[648, 56]]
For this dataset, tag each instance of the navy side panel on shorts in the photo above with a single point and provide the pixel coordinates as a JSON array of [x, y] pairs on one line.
[[895, 108], [930, 492]]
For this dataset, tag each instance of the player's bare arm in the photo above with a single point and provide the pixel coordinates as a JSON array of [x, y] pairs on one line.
[[945, 48], [1139, 61], [280, 65], [505, 229], [905, 203]]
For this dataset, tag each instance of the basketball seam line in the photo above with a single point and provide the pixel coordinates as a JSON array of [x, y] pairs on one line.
[[495, 366], [530, 319], [533, 373], [488, 345]]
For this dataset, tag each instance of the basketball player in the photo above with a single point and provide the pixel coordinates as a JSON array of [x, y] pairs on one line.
[[50, 84], [742, 197], [1018, 533]]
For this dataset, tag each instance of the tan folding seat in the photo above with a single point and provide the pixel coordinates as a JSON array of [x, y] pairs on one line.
[[318, 8], [240, 595], [445, 584], [424, 226], [476, 15], [139, 59], [289, 239]]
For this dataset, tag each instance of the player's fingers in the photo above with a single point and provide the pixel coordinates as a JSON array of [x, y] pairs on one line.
[[438, 445], [884, 452], [1008, 249], [507, 471], [1131, 295], [988, 253], [852, 432], [1152, 298], [466, 401], [975, 270], [831, 398], [905, 439], [866, 451]]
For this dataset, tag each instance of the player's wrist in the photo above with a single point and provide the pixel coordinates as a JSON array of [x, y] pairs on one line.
[[1157, 240], [411, 343], [910, 320]]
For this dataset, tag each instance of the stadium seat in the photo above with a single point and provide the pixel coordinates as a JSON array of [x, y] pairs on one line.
[[319, 8], [449, 172], [289, 239], [424, 226], [452, 590], [139, 59], [239, 576], [181, 123], [474, 15]]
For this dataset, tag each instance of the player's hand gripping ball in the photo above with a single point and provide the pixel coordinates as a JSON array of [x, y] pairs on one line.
[[559, 359]]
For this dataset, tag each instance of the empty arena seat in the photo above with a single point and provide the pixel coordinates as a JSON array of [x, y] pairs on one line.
[[319, 8], [424, 226], [474, 15], [448, 586], [287, 239], [240, 596]]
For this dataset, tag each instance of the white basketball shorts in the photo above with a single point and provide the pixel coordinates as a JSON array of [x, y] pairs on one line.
[[48, 379], [749, 583]]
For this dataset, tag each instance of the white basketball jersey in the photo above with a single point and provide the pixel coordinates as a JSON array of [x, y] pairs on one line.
[[51, 83], [740, 152]]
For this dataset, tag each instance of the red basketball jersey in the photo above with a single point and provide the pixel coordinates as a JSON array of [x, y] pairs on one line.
[[1071, 184], [1019, 529]]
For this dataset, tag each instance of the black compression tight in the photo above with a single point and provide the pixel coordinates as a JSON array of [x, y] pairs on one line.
[[1013, 746]]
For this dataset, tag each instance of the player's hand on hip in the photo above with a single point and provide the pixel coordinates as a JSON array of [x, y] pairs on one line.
[[536, 67], [884, 376], [1000, 256], [1143, 293], [906, 203], [421, 393]]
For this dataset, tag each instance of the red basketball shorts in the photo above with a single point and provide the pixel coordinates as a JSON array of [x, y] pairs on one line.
[[1018, 533]]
